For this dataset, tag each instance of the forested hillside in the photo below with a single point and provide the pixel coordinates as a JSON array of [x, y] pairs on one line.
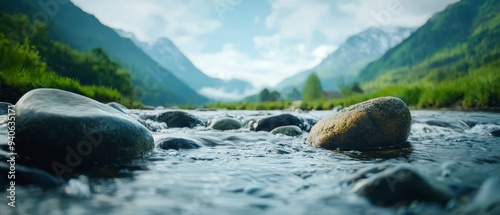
[[453, 59], [33, 62], [68, 24]]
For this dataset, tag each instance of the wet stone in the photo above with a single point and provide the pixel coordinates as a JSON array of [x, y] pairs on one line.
[[400, 185], [179, 119], [289, 130], [226, 123], [177, 143], [372, 125], [272, 122], [61, 131]]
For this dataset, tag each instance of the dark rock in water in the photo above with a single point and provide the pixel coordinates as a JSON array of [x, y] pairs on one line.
[[29, 176], [289, 130], [179, 119], [4, 107], [61, 131], [367, 172], [486, 200], [495, 133], [118, 107], [226, 123], [400, 186], [270, 123], [177, 143], [308, 123], [375, 124]]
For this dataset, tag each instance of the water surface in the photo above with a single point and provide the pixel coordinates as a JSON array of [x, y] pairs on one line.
[[246, 172]]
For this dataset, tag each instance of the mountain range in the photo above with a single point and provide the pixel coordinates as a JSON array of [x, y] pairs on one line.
[[165, 53], [454, 43], [70, 25], [344, 64]]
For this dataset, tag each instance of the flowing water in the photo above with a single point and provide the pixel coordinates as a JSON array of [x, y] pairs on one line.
[[246, 172]]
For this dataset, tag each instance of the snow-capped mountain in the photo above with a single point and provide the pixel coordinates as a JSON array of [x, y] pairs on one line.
[[350, 58], [165, 53]]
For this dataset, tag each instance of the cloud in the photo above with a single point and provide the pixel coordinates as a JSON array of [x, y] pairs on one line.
[[230, 62], [181, 21], [295, 19], [279, 39], [384, 13], [222, 94], [322, 51]]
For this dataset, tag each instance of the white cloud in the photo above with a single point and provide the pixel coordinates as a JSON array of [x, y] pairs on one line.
[[322, 51], [295, 19], [180, 21], [262, 71], [295, 35], [392, 12], [221, 94]]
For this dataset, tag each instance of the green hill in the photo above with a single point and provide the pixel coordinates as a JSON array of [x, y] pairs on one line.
[[23, 66], [454, 59], [70, 25]]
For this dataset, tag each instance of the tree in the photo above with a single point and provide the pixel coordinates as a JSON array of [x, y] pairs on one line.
[[275, 96], [265, 95], [294, 95], [312, 89]]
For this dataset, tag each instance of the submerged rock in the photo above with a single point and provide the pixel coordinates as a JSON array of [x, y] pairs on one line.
[[226, 123], [179, 119], [177, 143], [495, 133], [375, 124], [61, 131], [29, 176], [4, 107], [486, 200], [400, 186], [289, 130], [272, 122]]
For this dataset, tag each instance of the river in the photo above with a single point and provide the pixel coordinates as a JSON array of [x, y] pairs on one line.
[[247, 172]]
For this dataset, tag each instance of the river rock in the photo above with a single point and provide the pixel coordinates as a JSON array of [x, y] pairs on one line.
[[118, 107], [486, 200], [61, 131], [177, 143], [29, 176], [179, 119], [375, 124], [495, 133], [289, 130], [226, 123], [4, 107], [272, 122], [401, 185]]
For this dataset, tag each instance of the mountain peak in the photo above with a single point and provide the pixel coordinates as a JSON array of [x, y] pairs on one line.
[[347, 61]]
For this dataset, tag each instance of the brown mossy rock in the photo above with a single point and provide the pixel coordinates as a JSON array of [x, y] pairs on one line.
[[374, 124]]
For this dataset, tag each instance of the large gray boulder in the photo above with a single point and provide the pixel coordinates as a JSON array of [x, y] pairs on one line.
[[375, 124], [61, 131]]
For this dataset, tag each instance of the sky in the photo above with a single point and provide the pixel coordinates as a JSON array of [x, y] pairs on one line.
[[261, 41]]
